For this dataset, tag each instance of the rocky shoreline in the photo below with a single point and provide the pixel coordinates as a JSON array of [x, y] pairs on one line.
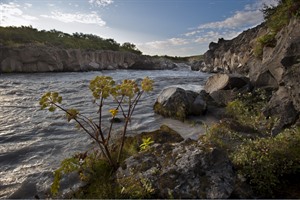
[[192, 169], [202, 169]]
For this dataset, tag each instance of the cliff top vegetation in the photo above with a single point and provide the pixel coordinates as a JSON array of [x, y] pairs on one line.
[[276, 17], [18, 36]]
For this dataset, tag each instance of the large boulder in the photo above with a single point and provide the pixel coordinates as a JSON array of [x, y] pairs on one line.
[[292, 81], [224, 88], [178, 170], [225, 82], [281, 106], [177, 103]]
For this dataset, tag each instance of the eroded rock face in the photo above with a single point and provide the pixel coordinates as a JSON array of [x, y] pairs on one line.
[[178, 170], [32, 58], [277, 68], [178, 103], [237, 55], [233, 55]]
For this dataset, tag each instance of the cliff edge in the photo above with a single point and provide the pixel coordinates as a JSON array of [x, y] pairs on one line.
[[277, 66], [33, 58]]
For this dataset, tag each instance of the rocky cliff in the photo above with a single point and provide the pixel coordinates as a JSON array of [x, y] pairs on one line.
[[32, 58], [278, 67]]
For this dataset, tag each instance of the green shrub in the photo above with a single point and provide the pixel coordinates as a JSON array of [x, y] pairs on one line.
[[97, 173], [247, 110], [17, 36], [266, 161], [276, 18], [258, 50], [222, 136], [267, 40]]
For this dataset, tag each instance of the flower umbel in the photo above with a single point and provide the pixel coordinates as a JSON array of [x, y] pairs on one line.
[[113, 112]]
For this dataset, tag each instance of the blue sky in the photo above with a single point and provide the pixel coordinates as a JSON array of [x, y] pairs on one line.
[[157, 27]]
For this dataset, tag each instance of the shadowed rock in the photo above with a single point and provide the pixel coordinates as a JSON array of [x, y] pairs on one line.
[[178, 103]]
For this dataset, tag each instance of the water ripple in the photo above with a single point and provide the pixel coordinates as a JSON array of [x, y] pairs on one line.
[[33, 142]]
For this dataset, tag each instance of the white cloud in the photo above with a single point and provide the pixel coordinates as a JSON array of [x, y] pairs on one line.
[[27, 5], [191, 33], [260, 4], [249, 17], [239, 19], [215, 35], [232, 26], [91, 18], [165, 43], [177, 41], [101, 3], [12, 15]]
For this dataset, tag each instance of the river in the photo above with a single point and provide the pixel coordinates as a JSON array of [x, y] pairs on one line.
[[33, 142]]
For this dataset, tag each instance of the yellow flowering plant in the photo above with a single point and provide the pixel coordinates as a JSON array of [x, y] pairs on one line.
[[126, 94]]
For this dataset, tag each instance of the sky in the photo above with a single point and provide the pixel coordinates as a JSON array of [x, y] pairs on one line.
[[156, 27]]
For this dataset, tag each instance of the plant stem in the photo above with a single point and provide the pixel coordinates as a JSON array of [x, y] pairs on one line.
[[124, 132]]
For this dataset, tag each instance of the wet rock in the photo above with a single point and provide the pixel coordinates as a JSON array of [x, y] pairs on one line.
[[199, 106], [178, 170], [178, 103], [163, 135], [198, 65]]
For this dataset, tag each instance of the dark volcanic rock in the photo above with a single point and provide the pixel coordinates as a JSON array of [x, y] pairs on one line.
[[278, 66], [280, 105], [178, 170], [178, 103]]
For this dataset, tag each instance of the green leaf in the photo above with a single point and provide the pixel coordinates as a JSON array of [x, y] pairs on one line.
[[59, 100], [55, 94], [71, 114], [52, 108], [146, 143]]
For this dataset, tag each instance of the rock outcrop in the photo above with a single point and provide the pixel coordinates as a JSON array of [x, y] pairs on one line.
[[32, 58], [178, 170], [277, 68]]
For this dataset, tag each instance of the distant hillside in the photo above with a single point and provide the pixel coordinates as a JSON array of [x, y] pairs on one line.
[[18, 36]]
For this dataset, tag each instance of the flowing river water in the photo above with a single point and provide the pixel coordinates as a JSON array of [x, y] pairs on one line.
[[33, 142]]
